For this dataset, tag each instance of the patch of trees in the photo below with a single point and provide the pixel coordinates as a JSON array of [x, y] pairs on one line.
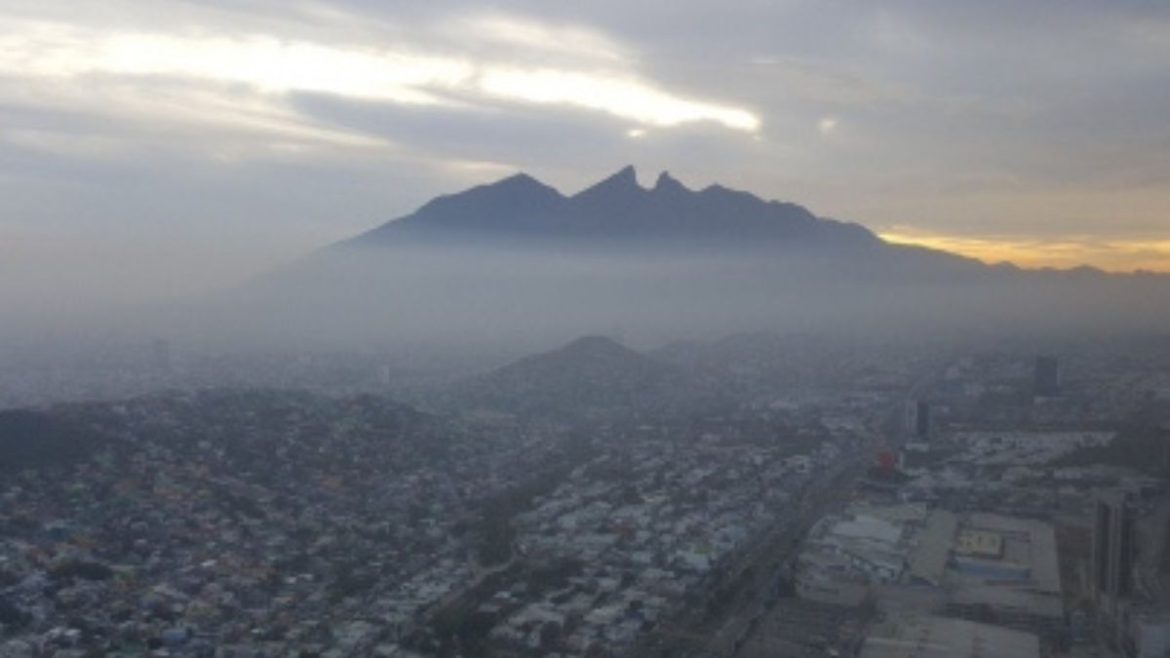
[[33, 439], [11, 616], [81, 569], [495, 530]]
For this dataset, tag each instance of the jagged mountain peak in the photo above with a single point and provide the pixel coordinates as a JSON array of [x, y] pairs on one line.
[[621, 184], [668, 183], [617, 211], [627, 175]]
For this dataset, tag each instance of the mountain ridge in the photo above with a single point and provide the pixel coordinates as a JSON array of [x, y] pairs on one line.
[[516, 263], [615, 209]]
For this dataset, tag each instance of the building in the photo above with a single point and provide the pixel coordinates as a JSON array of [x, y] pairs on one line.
[[928, 562], [918, 419], [981, 567], [1149, 635], [1003, 570], [1113, 549], [925, 636], [922, 421], [846, 555]]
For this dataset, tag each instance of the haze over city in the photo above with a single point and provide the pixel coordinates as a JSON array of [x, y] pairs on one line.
[[641, 329]]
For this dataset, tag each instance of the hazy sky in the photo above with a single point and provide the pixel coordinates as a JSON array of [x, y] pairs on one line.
[[149, 148]]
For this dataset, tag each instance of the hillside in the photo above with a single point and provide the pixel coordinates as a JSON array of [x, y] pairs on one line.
[[516, 264], [593, 374]]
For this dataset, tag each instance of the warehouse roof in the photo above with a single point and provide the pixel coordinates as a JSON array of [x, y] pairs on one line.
[[929, 560]]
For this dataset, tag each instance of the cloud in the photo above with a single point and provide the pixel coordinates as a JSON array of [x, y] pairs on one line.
[[274, 66], [117, 120], [523, 36], [288, 125], [619, 96], [828, 82], [262, 62], [255, 71]]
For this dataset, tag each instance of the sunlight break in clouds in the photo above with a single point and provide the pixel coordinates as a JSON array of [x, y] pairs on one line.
[[626, 98], [263, 62], [401, 75], [279, 67]]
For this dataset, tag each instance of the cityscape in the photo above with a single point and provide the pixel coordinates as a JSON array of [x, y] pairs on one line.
[[606, 329], [868, 501]]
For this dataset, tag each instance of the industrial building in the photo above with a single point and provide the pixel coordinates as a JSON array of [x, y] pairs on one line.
[[927, 636], [976, 566], [847, 555]]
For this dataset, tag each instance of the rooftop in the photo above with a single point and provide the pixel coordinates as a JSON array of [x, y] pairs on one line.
[[940, 637]]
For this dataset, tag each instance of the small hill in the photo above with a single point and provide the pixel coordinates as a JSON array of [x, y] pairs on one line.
[[590, 375]]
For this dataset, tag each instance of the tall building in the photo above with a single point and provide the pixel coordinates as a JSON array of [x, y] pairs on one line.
[[1113, 547], [918, 419], [922, 426], [1046, 380]]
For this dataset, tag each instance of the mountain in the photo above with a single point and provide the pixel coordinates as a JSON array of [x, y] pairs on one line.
[[514, 264], [594, 374], [616, 211]]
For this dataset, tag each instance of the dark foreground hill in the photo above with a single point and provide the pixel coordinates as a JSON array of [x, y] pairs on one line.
[[591, 375]]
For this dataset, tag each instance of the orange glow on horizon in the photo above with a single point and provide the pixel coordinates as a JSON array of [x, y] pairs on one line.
[[1062, 252]]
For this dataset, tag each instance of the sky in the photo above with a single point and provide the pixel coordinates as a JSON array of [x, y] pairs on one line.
[[174, 147]]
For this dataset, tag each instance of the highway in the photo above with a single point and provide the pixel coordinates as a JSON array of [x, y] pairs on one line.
[[690, 634], [761, 563]]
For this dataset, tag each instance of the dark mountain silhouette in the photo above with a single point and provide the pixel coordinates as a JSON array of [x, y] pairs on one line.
[[616, 210], [519, 263], [590, 374], [519, 204]]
